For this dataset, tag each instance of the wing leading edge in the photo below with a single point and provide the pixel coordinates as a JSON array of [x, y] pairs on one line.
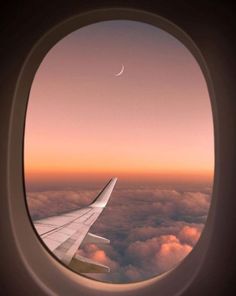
[[63, 234]]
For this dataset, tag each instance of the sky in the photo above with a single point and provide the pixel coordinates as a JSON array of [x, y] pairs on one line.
[[153, 121], [151, 127]]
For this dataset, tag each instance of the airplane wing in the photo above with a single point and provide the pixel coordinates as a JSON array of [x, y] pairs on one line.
[[63, 234]]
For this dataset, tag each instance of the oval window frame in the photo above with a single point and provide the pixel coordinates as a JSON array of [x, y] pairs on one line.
[[67, 281]]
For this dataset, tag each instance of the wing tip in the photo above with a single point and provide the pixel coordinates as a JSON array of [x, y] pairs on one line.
[[113, 179], [101, 200]]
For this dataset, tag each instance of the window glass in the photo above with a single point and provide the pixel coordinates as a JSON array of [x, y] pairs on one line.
[[120, 99]]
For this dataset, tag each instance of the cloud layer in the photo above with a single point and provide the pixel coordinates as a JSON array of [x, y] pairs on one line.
[[151, 228]]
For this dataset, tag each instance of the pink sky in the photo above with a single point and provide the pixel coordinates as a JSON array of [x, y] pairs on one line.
[[153, 120]]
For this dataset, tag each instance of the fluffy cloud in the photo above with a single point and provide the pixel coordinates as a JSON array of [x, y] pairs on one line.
[[48, 203], [171, 252], [189, 235], [93, 252], [158, 254], [151, 229]]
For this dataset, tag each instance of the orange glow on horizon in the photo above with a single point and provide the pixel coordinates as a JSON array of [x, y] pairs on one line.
[[175, 176]]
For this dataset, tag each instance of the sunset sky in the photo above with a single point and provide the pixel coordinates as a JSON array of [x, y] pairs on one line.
[[152, 122]]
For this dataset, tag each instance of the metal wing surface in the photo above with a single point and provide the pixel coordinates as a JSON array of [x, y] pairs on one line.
[[63, 234]]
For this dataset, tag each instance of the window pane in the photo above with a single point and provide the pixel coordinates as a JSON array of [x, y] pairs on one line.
[[121, 99]]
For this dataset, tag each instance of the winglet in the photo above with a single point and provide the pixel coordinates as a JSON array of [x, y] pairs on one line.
[[103, 197]]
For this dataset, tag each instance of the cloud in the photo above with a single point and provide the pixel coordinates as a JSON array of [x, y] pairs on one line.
[[48, 203], [189, 235], [133, 273], [151, 229], [158, 254], [171, 252], [95, 253]]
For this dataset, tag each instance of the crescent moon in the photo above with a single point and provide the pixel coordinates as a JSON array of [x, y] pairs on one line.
[[121, 71]]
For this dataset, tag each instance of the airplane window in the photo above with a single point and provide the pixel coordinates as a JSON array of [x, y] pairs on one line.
[[119, 153]]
